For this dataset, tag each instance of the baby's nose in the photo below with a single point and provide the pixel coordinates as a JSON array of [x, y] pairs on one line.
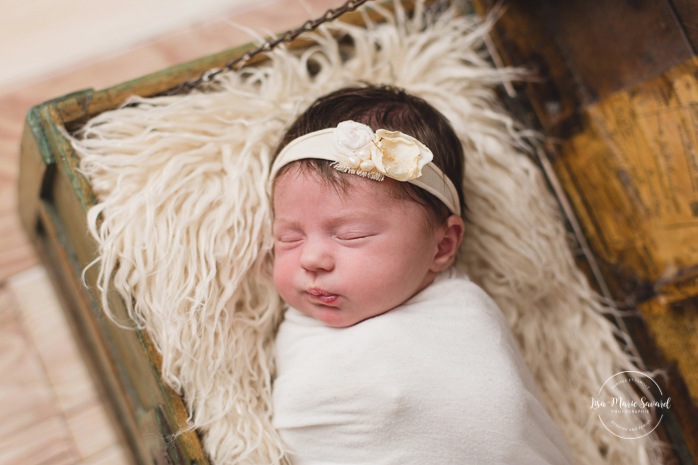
[[316, 256]]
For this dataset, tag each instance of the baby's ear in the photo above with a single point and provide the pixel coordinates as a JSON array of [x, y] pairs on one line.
[[449, 235]]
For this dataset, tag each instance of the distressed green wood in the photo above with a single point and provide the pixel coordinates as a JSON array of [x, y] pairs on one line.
[[53, 201]]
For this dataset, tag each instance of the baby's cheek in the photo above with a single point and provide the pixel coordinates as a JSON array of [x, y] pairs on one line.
[[278, 272], [282, 274]]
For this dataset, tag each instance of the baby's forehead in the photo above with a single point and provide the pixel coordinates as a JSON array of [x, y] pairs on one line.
[[305, 198]]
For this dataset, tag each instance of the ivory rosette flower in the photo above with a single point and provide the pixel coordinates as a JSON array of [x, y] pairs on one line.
[[354, 140], [383, 153], [399, 156], [353, 136]]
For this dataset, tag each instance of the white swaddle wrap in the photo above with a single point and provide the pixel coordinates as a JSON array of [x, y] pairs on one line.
[[438, 380]]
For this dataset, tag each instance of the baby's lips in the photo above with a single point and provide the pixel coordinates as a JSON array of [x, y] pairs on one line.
[[321, 295]]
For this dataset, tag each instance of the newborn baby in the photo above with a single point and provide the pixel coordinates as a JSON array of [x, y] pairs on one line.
[[386, 354]]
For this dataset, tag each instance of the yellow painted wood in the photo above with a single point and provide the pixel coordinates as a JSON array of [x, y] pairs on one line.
[[617, 93]]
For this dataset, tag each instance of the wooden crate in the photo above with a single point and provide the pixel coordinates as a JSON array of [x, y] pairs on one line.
[[618, 94], [54, 200], [601, 84]]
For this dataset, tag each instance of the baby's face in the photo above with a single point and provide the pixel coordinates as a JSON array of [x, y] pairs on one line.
[[343, 257]]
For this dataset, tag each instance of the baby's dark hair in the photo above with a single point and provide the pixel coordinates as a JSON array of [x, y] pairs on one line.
[[383, 107]]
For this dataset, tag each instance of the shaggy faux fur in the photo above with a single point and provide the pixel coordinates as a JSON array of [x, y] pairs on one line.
[[184, 228]]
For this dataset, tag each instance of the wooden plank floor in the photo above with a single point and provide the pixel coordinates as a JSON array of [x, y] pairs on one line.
[[51, 410]]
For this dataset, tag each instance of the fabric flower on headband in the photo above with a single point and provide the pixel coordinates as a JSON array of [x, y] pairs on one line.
[[383, 153]]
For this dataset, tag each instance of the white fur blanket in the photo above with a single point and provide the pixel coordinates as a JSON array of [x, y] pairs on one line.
[[184, 230]]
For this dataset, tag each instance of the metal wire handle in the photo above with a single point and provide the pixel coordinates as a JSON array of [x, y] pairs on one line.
[[288, 36]]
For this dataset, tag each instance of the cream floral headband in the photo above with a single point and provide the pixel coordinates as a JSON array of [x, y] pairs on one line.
[[354, 148]]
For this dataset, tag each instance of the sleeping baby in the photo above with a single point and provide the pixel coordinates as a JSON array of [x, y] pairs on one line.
[[387, 355]]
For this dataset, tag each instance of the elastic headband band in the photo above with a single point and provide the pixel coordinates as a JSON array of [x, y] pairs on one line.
[[354, 148]]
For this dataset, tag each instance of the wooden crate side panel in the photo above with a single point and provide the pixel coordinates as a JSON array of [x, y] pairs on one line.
[[589, 50], [636, 169], [523, 40], [620, 104], [50, 245], [124, 362], [673, 328], [33, 169], [687, 14], [613, 44]]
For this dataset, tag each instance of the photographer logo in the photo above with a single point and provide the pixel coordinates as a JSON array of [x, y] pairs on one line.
[[630, 416]]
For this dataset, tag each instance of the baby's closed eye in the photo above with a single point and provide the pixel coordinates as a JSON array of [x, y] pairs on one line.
[[288, 238], [353, 235]]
